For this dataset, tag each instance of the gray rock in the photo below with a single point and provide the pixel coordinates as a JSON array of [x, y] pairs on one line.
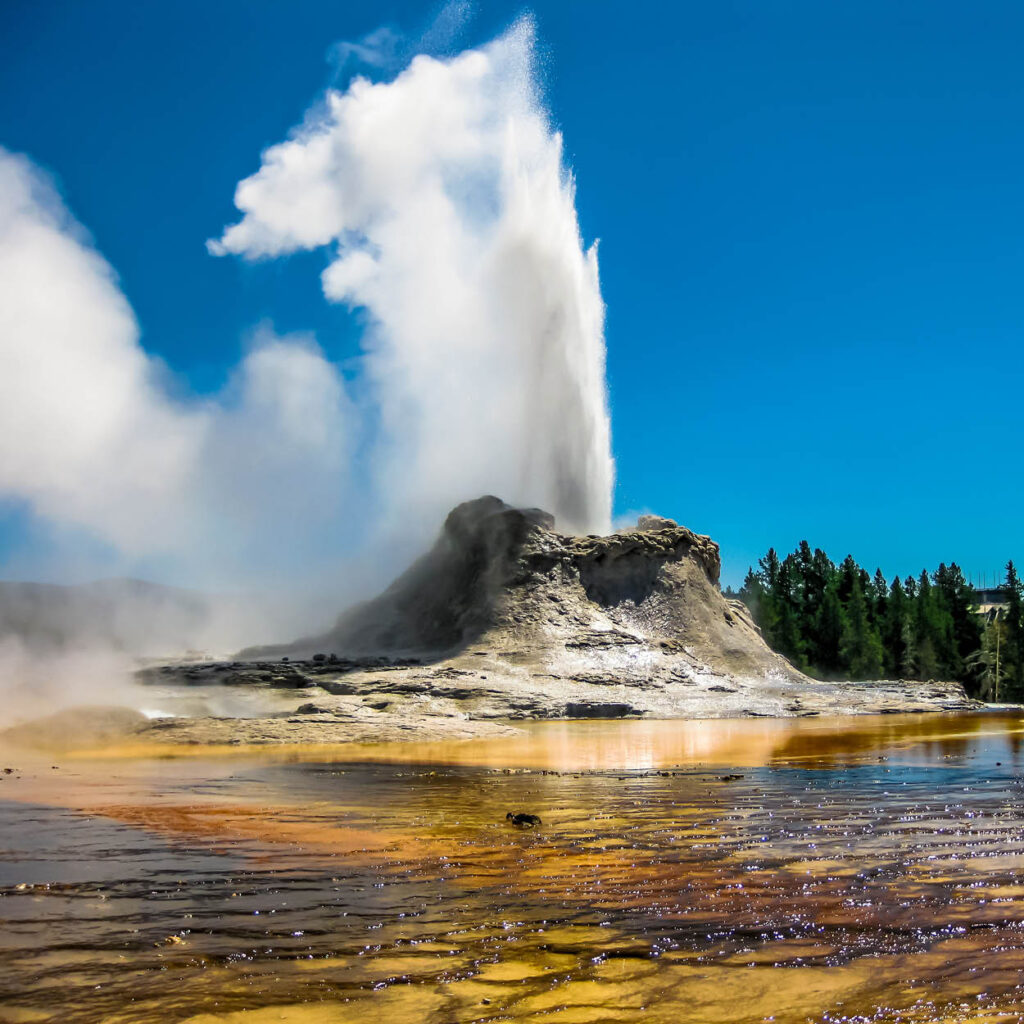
[[506, 617], [650, 522]]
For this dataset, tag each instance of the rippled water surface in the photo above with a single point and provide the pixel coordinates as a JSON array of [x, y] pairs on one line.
[[858, 870]]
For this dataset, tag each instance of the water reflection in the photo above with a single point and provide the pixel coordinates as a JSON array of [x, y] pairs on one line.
[[854, 870], [635, 745]]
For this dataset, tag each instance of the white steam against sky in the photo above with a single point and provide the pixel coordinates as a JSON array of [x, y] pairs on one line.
[[447, 215], [90, 438], [443, 201]]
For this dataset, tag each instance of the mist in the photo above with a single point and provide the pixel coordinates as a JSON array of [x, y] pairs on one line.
[[446, 215]]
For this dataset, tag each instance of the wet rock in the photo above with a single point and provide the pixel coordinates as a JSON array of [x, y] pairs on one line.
[[604, 638], [339, 686], [588, 709], [292, 681]]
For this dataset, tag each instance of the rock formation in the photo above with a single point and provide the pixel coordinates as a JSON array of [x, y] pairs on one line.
[[506, 618], [640, 606]]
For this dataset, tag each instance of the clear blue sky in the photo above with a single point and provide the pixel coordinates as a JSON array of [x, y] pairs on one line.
[[811, 219]]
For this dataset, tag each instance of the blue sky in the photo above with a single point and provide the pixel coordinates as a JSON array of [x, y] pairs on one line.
[[810, 218]]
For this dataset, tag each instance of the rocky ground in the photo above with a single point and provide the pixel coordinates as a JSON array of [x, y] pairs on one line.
[[505, 620], [479, 694]]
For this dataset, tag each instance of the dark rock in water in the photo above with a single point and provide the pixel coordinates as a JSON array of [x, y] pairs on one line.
[[523, 820]]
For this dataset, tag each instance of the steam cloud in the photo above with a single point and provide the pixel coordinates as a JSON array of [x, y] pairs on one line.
[[451, 220], [91, 440], [447, 214]]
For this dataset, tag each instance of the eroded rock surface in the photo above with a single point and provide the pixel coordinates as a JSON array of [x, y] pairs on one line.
[[506, 618]]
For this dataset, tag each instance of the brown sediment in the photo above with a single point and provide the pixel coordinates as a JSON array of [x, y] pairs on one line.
[[227, 826], [812, 881]]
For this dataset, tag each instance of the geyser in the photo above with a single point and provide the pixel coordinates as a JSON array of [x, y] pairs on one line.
[[450, 219]]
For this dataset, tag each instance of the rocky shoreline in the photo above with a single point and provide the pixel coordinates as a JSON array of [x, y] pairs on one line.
[[359, 702], [369, 701]]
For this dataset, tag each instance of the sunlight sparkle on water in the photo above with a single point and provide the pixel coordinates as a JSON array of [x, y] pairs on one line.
[[832, 871]]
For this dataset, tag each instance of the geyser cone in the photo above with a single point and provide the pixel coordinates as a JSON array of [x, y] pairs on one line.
[[506, 617], [503, 581]]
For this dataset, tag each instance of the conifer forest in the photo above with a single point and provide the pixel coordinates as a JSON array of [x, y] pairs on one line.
[[840, 622]]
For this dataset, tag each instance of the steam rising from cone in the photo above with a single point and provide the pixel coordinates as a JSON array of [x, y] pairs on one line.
[[443, 200], [448, 219]]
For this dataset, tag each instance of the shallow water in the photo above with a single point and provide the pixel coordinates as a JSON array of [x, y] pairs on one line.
[[864, 869]]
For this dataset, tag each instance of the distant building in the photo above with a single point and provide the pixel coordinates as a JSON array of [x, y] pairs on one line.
[[991, 602]]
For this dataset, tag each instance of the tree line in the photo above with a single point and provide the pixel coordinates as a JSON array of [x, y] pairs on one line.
[[839, 622]]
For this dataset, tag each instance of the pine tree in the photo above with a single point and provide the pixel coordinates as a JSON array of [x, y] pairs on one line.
[[986, 664], [820, 615], [894, 630], [925, 631], [861, 646], [752, 593], [849, 576], [879, 599], [841, 622], [1014, 674], [961, 627], [829, 628], [787, 635], [908, 665], [770, 570], [805, 571], [822, 572]]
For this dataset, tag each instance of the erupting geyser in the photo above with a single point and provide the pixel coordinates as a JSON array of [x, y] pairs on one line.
[[451, 220], [448, 221]]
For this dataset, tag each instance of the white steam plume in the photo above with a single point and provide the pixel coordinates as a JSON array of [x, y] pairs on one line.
[[89, 438], [451, 219]]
